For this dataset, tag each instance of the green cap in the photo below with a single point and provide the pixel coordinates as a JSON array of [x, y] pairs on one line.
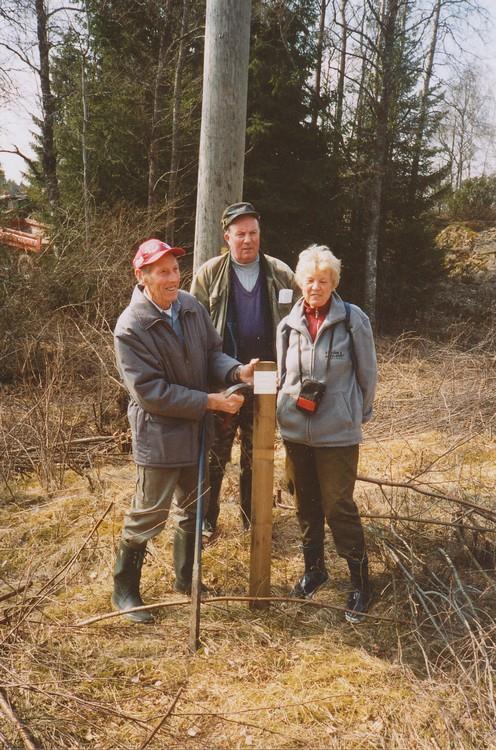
[[235, 210]]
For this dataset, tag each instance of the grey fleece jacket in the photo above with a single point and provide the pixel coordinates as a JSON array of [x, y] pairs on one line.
[[167, 381], [349, 394]]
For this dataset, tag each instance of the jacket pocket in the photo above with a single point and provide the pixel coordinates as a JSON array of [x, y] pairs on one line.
[[136, 417], [170, 442], [292, 423], [333, 422], [344, 408]]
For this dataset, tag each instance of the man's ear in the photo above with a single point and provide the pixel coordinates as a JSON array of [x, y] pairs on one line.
[[226, 235], [138, 273]]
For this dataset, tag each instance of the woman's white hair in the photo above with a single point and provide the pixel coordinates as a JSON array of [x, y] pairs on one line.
[[318, 258]]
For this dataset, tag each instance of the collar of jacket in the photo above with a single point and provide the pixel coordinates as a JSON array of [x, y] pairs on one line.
[[337, 313], [146, 312]]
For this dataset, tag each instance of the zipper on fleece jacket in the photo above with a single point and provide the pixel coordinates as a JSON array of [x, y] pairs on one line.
[[312, 363]]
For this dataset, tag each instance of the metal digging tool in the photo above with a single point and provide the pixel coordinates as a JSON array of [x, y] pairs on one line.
[[196, 581]]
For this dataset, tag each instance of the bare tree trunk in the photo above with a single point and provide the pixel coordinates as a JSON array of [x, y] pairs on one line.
[[176, 114], [84, 151], [453, 161], [424, 100], [154, 147], [223, 125], [388, 34], [342, 69], [318, 62], [49, 156], [358, 116]]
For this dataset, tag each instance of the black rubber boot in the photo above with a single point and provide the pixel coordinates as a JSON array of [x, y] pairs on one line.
[[315, 574], [184, 555], [245, 498], [245, 518], [213, 506], [358, 601], [127, 576]]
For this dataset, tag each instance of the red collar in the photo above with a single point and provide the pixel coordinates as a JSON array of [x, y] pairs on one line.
[[317, 312], [315, 316]]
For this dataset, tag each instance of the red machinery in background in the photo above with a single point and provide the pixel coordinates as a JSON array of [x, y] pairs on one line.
[[22, 233]]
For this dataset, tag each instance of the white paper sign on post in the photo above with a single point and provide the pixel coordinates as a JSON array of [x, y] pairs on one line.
[[265, 382]]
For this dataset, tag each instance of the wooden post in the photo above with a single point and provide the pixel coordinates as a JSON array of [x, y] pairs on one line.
[[223, 120], [264, 423]]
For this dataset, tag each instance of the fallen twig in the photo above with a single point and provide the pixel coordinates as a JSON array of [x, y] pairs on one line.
[[410, 519], [9, 712], [5, 741], [12, 593], [162, 720], [220, 599], [415, 487], [42, 593], [437, 495]]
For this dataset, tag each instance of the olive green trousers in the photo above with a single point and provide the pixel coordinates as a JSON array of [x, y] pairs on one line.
[[155, 489], [324, 480]]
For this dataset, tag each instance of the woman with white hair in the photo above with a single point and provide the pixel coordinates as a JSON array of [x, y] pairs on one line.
[[328, 371]]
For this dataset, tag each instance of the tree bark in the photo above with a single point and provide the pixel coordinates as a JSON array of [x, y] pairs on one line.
[[154, 146], [49, 156], [84, 151], [386, 51], [424, 100], [341, 72], [176, 114], [318, 62], [222, 137]]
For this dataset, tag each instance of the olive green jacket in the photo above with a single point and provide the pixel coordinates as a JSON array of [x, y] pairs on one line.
[[212, 281]]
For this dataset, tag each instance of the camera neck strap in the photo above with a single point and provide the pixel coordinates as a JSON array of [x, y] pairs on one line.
[[328, 357]]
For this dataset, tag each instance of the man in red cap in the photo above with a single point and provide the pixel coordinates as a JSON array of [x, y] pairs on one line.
[[168, 352]]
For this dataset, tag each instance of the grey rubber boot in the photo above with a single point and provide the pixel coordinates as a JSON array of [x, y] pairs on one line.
[[359, 598], [127, 576], [315, 574]]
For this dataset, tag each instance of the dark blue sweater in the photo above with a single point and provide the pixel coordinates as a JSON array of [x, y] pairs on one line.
[[248, 332]]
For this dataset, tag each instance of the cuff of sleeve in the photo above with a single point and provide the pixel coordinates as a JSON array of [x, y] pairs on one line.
[[233, 374]]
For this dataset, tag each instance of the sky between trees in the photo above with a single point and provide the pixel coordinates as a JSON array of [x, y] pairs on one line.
[[16, 121]]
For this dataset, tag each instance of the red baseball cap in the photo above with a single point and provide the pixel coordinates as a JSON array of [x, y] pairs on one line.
[[151, 250]]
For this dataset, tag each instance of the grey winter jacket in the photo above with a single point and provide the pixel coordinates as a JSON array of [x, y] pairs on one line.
[[349, 394], [211, 285], [168, 382]]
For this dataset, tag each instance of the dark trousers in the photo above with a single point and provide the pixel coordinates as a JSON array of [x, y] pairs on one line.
[[324, 480], [220, 454]]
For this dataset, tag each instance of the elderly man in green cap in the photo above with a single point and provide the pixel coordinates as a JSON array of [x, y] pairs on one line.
[[247, 293]]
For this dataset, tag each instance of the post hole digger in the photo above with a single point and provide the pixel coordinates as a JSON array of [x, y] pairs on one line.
[[196, 581]]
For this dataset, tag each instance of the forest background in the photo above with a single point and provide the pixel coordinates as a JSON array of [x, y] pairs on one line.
[[363, 119], [370, 128]]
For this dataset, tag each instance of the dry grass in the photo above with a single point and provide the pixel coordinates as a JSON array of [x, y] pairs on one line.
[[290, 676]]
